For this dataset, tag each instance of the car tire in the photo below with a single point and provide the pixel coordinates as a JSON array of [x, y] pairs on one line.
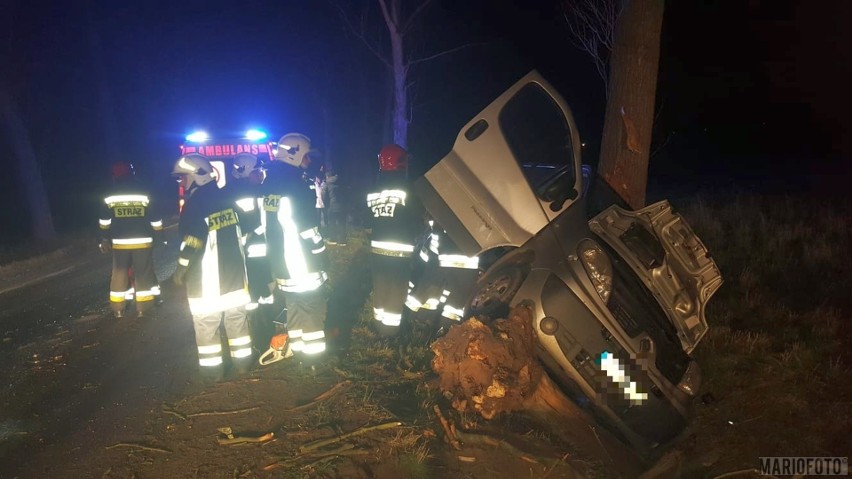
[[495, 291]]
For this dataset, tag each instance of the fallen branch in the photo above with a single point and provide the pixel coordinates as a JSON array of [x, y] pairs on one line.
[[230, 441], [284, 462], [331, 457], [449, 433], [337, 388], [169, 410], [484, 439], [222, 413], [357, 432], [138, 446]]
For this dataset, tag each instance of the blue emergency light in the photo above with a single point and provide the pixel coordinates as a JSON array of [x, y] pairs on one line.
[[255, 135], [197, 136]]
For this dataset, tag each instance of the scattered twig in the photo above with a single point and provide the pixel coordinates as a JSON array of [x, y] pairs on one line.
[[740, 472], [324, 442], [449, 433], [337, 388], [230, 441], [222, 413], [556, 463], [331, 457], [138, 446], [169, 410]]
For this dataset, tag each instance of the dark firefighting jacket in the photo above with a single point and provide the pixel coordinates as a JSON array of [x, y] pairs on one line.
[[395, 216], [128, 216], [294, 246], [212, 251]]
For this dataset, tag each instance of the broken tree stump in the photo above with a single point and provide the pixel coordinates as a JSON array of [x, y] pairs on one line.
[[493, 369]]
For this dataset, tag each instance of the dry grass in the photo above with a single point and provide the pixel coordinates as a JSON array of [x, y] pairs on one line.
[[776, 359]]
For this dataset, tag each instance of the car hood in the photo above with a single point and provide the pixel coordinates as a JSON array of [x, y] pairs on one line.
[[672, 262]]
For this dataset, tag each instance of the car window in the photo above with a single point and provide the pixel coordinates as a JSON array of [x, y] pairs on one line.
[[539, 136]]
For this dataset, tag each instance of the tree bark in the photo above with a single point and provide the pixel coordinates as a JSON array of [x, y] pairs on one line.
[[629, 118], [490, 370]]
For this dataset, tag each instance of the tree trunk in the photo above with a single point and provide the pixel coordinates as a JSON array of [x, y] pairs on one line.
[[400, 96], [492, 370], [626, 139], [27, 172]]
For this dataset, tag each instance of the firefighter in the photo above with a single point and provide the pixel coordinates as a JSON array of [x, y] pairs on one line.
[[395, 222], [445, 280], [128, 225], [212, 267], [249, 175], [296, 251]]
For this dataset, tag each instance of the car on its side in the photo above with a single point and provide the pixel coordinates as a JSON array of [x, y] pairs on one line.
[[619, 296]]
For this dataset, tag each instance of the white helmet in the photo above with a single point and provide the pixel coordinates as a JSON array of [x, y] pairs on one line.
[[196, 168], [244, 164], [292, 149]]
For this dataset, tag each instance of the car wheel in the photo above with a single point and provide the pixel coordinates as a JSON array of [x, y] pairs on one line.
[[496, 291]]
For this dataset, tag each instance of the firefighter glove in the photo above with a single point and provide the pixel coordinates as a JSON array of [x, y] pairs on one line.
[[105, 246]]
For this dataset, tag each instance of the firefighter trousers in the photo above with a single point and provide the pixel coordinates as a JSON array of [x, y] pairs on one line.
[[306, 313], [142, 262], [209, 340], [390, 287]]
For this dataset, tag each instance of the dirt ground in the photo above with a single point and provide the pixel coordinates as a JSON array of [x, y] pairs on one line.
[[89, 396]]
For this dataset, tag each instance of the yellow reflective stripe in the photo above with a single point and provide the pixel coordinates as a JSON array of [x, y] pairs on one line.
[[240, 341], [105, 222], [210, 349], [257, 250], [313, 335], [192, 242], [111, 200], [132, 246], [139, 240], [241, 353], [246, 204], [210, 361], [458, 261]]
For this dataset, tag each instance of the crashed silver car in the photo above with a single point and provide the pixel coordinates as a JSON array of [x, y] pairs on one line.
[[619, 296]]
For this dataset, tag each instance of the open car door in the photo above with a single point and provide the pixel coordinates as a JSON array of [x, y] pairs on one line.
[[513, 168]]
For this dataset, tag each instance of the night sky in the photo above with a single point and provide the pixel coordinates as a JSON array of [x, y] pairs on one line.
[[751, 93]]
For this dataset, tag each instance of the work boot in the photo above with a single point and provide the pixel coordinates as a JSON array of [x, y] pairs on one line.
[[241, 367], [210, 375], [118, 313]]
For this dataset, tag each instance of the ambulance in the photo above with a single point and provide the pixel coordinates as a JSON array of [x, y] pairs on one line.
[[222, 150]]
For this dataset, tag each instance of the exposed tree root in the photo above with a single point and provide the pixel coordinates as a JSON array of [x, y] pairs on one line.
[[493, 369]]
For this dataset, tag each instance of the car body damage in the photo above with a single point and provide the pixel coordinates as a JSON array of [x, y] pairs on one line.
[[619, 299]]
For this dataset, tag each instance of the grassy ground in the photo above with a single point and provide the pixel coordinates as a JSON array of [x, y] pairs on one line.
[[776, 361]]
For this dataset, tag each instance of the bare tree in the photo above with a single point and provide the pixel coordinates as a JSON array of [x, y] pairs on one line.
[[592, 25], [26, 168], [400, 18], [631, 79]]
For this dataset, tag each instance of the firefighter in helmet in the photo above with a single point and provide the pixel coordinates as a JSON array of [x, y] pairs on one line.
[[248, 176], [212, 267], [128, 226], [296, 251], [395, 221]]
